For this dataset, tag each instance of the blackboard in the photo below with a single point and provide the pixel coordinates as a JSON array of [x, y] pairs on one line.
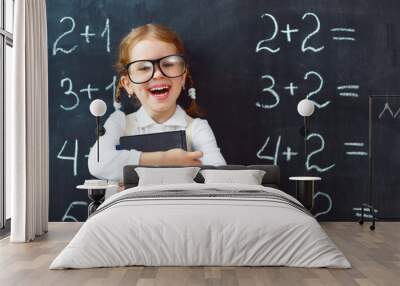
[[252, 62]]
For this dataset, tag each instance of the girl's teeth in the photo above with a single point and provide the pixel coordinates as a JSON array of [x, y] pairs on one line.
[[159, 88]]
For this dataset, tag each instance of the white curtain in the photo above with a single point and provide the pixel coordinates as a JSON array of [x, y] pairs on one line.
[[27, 146]]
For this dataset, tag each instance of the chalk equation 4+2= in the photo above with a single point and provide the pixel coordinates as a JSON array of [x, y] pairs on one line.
[[351, 149]]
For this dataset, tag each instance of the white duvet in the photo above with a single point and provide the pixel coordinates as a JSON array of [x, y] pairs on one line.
[[200, 231]]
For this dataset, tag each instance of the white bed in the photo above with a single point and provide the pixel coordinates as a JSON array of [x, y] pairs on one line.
[[250, 225]]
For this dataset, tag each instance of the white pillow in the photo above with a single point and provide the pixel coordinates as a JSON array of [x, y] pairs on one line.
[[162, 176], [248, 177]]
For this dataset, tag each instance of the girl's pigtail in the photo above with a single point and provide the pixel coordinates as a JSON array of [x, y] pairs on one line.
[[194, 109], [117, 97]]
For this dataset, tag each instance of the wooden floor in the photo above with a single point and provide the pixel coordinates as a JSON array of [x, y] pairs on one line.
[[374, 255]]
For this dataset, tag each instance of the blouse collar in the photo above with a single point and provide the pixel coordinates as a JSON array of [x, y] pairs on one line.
[[177, 119]]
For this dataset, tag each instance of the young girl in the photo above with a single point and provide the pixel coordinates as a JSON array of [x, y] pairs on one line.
[[152, 68]]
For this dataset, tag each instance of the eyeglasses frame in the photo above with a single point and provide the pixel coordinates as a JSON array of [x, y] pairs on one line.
[[156, 62]]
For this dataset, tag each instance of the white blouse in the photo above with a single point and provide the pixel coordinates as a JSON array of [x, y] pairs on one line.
[[112, 161]]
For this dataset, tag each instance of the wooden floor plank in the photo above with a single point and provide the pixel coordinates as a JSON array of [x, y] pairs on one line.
[[374, 255]]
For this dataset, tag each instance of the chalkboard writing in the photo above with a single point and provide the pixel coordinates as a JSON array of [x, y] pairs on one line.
[[251, 65]]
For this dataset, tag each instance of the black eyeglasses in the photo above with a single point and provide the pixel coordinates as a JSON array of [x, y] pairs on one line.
[[143, 70]]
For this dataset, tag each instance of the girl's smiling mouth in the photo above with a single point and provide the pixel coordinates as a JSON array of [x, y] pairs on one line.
[[159, 91]]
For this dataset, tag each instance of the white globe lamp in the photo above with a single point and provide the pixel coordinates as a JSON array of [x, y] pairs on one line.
[[305, 107], [98, 107]]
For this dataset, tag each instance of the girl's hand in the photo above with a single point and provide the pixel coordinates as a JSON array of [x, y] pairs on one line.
[[171, 157], [182, 157]]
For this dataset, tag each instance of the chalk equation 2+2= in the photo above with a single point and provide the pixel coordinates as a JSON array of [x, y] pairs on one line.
[[337, 34]]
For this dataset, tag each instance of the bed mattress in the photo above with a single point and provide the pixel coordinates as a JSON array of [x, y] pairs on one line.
[[201, 225]]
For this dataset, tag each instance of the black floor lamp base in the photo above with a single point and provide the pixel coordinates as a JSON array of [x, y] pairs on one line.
[[96, 197], [305, 193], [372, 211]]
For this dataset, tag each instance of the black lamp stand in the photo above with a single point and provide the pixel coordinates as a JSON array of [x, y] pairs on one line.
[[369, 204], [100, 131]]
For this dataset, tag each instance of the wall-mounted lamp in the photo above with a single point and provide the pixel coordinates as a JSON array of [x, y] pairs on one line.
[[305, 108], [98, 108]]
